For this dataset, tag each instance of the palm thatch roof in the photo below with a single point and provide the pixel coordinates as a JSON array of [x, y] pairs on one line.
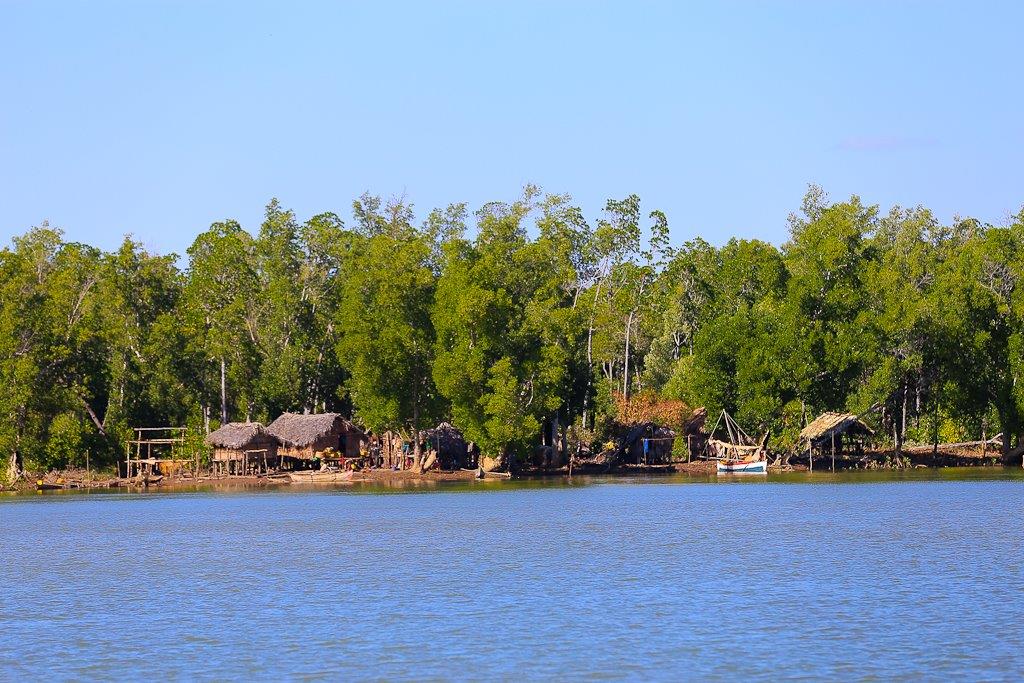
[[827, 424], [695, 424], [236, 435], [298, 431], [445, 437]]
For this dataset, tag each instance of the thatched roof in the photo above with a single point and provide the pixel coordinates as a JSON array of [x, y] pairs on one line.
[[444, 437], [827, 424], [235, 435], [695, 425], [298, 431]]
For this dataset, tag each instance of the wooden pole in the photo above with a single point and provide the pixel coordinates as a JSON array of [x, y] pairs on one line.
[[833, 451]]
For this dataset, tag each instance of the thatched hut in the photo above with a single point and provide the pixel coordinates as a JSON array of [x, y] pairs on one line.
[[644, 443], [325, 435], [648, 443], [835, 433], [239, 447], [448, 445]]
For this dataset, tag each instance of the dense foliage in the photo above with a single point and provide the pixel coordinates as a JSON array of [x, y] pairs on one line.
[[525, 316]]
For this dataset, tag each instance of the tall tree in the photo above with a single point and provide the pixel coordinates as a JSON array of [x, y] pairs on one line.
[[219, 308], [494, 364], [387, 339]]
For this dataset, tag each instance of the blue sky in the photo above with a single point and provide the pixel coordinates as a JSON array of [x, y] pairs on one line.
[[158, 118]]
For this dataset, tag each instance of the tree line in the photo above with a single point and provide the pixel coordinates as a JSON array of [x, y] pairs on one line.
[[521, 317]]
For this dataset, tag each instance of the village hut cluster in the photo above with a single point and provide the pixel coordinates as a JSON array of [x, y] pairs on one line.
[[296, 442], [291, 442], [330, 443]]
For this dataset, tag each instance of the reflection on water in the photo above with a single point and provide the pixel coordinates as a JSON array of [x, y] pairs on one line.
[[407, 484], [907, 574]]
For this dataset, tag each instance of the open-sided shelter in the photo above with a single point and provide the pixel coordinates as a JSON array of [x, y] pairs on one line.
[[835, 433]]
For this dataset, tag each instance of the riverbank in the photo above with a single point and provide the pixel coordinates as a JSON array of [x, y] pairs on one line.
[[69, 480], [910, 459]]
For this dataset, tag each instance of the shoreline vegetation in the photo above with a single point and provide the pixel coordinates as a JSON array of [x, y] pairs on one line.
[[551, 341]]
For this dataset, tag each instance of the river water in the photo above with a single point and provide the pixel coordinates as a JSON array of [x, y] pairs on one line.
[[848, 576]]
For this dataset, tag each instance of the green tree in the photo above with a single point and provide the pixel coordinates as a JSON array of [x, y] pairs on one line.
[[387, 342], [219, 310], [497, 362]]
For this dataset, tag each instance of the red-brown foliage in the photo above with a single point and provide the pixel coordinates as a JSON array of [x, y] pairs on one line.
[[646, 406]]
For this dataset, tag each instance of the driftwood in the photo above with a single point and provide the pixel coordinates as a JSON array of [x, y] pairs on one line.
[[429, 462], [481, 473], [995, 442]]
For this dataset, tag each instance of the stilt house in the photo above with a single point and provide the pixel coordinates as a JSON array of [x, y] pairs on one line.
[[325, 435], [239, 447]]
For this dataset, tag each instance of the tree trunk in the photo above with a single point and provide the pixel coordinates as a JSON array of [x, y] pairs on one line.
[[1007, 435], [563, 439], [590, 371], [431, 459], [590, 346], [900, 429], [625, 357], [223, 393], [13, 473], [95, 418], [556, 451], [489, 464], [417, 455], [15, 466]]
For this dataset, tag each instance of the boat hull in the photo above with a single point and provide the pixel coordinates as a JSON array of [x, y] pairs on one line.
[[741, 467], [315, 477]]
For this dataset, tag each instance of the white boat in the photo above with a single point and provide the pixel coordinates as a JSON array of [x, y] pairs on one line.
[[320, 477], [740, 454], [743, 467]]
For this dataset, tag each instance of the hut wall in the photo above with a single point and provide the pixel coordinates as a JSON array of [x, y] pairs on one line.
[[659, 451], [266, 443], [317, 449], [659, 446], [453, 456], [226, 454], [304, 453], [352, 441]]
